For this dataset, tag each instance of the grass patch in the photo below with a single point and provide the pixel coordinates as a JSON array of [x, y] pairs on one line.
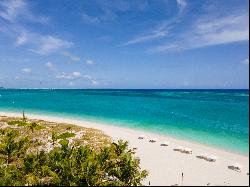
[[18, 123], [65, 135]]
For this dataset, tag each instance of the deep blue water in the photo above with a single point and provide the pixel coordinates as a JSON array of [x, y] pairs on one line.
[[215, 117]]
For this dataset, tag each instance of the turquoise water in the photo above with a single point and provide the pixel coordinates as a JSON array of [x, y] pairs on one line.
[[215, 117]]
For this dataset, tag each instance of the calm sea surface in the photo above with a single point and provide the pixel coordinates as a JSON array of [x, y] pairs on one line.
[[215, 117]]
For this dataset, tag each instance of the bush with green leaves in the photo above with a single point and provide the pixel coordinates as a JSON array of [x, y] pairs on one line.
[[113, 165]]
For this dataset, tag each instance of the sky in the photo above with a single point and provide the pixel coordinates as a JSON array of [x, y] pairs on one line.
[[136, 44]]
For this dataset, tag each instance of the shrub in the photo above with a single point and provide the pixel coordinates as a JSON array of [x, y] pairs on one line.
[[113, 165]]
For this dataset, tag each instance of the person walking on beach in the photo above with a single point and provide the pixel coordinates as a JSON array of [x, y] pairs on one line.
[[181, 178]]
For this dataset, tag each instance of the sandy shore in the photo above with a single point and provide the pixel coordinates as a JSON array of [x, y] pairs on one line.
[[164, 164]]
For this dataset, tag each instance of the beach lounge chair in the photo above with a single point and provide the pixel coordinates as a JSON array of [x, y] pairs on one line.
[[236, 167], [179, 148], [186, 150], [202, 156], [212, 158], [152, 140], [165, 143], [141, 136]]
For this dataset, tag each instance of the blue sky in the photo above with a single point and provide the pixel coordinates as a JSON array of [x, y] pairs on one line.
[[124, 44]]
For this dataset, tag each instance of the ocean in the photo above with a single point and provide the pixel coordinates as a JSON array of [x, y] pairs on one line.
[[218, 118]]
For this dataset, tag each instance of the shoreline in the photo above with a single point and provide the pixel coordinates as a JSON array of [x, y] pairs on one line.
[[92, 123], [175, 162]]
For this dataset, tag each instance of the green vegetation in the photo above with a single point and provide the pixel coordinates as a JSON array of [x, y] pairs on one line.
[[89, 160], [18, 123], [65, 135]]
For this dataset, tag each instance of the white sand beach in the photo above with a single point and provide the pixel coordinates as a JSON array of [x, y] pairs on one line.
[[165, 165]]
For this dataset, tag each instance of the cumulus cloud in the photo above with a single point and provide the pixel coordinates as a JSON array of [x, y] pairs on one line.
[[73, 75], [77, 75], [26, 70]]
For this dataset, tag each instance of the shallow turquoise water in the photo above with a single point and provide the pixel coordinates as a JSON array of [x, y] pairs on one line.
[[215, 117]]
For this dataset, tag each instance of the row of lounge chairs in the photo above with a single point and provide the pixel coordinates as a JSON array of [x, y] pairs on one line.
[[236, 167], [210, 158], [183, 150], [207, 157]]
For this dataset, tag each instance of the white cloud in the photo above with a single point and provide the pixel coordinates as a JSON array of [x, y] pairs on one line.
[[210, 31], [109, 11], [73, 75], [148, 37], [228, 29], [63, 76], [26, 70], [71, 83], [92, 80], [15, 10], [50, 66], [89, 62], [87, 77], [162, 30], [11, 10], [246, 61], [49, 44], [76, 74], [72, 57], [168, 47], [37, 43], [181, 4], [22, 39]]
